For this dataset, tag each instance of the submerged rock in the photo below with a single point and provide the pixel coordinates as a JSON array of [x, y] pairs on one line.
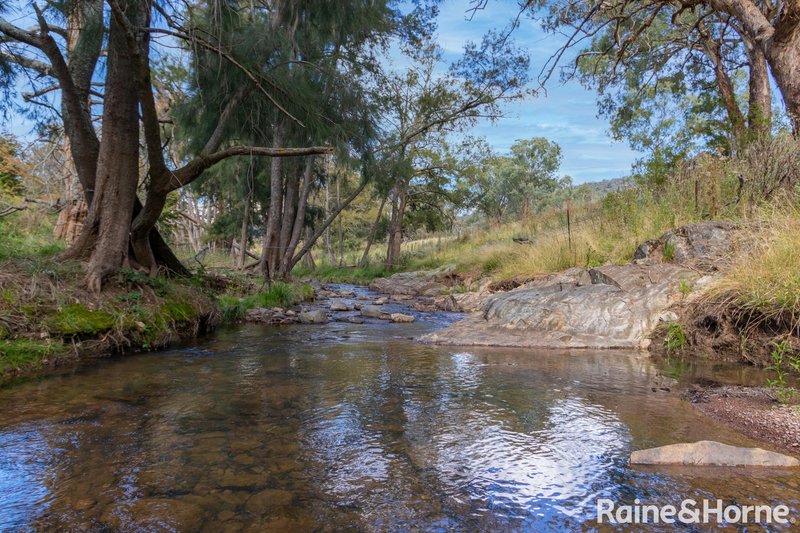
[[711, 453]]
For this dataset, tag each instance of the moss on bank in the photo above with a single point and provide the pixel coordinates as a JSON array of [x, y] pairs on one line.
[[48, 318]]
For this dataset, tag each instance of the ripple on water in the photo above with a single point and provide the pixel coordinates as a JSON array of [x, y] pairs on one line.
[[348, 426]]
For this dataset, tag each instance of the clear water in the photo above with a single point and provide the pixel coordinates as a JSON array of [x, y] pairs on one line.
[[351, 427]]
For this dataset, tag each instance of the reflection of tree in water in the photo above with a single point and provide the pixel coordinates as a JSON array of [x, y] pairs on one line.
[[288, 431]]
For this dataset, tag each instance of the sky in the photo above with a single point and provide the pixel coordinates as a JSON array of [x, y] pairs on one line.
[[566, 114]]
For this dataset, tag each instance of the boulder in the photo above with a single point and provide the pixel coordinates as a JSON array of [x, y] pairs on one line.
[[339, 305], [421, 283], [467, 302], [706, 246], [710, 453], [619, 310], [371, 311], [400, 317], [383, 300], [317, 316]]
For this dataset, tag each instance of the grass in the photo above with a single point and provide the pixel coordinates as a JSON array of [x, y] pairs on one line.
[[278, 295], [600, 234], [334, 274], [764, 281], [28, 233], [21, 353]]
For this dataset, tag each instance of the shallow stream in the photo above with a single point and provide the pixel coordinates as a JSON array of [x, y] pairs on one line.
[[355, 427]]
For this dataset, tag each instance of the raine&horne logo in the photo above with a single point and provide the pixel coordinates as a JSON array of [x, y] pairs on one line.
[[691, 512]]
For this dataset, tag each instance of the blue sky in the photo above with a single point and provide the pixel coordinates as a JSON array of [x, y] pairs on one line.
[[567, 114]]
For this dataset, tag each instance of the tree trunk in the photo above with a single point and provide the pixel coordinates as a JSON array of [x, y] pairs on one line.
[[784, 59], [328, 243], [759, 113], [108, 223], [372, 233], [713, 51], [270, 241], [299, 220], [246, 219], [309, 243], [396, 225], [287, 218], [341, 231]]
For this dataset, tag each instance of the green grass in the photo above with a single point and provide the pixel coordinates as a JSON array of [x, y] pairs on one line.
[[675, 339], [20, 353], [334, 274], [278, 295], [27, 234], [77, 319]]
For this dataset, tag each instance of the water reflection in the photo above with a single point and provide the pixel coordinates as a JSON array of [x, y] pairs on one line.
[[349, 427]]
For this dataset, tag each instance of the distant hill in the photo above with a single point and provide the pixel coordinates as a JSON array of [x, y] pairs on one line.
[[602, 188]]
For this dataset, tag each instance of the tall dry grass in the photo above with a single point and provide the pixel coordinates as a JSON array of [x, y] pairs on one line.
[[763, 285]]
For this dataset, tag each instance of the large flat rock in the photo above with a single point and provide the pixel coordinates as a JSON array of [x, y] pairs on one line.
[[420, 283], [711, 453], [619, 309]]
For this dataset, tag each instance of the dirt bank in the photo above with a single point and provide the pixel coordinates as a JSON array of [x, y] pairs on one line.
[[754, 411]]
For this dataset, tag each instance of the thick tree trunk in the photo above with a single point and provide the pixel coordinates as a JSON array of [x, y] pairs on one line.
[[784, 59], [112, 207], [372, 233], [759, 113]]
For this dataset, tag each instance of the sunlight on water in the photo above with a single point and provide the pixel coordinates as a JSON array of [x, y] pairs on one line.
[[346, 426]]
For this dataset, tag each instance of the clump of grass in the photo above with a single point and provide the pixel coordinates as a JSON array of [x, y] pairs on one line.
[[20, 353], [278, 295], [675, 338], [763, 284], [784, 361]]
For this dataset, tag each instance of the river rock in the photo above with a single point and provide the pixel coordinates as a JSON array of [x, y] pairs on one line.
[[711, 453], [317, 316], [266, 499], [467, 302], [704, 245], [618, 310], [154, 514], [383, 300], [339, 305], [400, 317], [421, 283], [371, 311]]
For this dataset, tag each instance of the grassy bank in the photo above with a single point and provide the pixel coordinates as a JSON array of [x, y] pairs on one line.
[[48, 318]]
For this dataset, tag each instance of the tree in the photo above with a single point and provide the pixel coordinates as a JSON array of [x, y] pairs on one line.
[[523, 182], [766, 32], [119, 229], [424, 102]]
